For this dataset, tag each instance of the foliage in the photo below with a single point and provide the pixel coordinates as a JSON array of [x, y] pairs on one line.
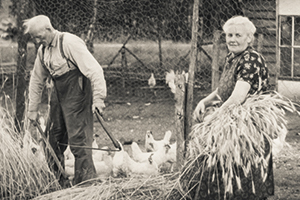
[[22, 174], [168, 19], [215, 14]]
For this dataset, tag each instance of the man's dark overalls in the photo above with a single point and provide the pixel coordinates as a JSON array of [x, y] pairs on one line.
[[71, 122]]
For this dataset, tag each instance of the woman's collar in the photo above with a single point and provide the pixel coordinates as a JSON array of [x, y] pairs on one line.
[[232, 55]]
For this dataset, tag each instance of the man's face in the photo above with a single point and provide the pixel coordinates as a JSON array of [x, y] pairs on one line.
[[40, 36], [237, 38]]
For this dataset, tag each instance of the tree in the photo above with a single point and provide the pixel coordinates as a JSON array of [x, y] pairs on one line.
[[215, 14], [21, 9]]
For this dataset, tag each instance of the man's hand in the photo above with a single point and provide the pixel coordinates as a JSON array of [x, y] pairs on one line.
[[33, 116], [100, 106]]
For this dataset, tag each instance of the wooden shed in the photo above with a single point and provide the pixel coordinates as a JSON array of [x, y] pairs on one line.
[[288, 47], [263, 14], [278, 39]]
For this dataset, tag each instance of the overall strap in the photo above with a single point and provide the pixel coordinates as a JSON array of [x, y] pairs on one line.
[[42, 58], [61, 39]]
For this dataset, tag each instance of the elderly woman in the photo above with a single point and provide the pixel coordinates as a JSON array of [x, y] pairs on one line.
[[229, 152]]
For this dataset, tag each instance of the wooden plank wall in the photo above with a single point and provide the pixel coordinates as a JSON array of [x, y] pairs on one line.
[[263, 14]]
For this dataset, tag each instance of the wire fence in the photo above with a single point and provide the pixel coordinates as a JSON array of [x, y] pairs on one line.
[[137, 41], [132, 39]]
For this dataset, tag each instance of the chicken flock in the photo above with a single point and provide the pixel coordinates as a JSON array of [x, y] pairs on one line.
[[121, 163], [157, 154]]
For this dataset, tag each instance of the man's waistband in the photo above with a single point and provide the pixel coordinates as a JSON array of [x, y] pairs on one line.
[[68, 73]]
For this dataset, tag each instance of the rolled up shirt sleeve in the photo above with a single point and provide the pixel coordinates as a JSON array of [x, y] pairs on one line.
[[36, 84], [76, 50]]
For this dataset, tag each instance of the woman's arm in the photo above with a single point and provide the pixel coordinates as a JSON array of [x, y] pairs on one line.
[[238, 95], [207, 101]]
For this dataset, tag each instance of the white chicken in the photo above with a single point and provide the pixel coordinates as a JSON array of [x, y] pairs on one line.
[[164, 154], [171, 155], [42, 123], [153, 145], [103, 168], [102, 161], [170, 80], [152, 81], [97, 155], [124, 164], [279, 142], [186, 75], [32, 150], [68, 154], [167, 156], [140, 156]]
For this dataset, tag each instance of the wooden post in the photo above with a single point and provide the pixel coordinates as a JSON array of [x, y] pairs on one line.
[[278, 35], [193, 61], [179, 119], [124, 64], [23, 8], [215, 75], [90, 34], [200, 40], [159, 43]]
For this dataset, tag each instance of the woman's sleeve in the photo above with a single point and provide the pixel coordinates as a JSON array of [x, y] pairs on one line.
[[252, 70]]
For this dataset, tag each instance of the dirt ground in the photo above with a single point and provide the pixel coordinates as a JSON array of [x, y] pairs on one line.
[[287, 165], [130, 121]]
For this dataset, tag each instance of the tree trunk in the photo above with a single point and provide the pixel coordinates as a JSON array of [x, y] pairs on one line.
[[180, 99], [90, 34], [21, 67], [192, 66], [215, 74]]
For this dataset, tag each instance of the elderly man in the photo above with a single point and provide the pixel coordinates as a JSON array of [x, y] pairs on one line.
[[79, 88]]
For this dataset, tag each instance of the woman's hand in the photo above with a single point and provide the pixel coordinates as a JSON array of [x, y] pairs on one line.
[[200, 109]]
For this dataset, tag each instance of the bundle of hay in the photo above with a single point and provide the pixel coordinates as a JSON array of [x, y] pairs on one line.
[[137, 188], [22, 174], [231, 138]]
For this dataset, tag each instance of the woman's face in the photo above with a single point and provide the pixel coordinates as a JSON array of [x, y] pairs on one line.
[[237, 38]]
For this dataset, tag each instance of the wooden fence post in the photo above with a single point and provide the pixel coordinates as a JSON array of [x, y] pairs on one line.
[[23, 8], [90, 35], [192, 66], [180, 98], [215, 75], [123, 64]]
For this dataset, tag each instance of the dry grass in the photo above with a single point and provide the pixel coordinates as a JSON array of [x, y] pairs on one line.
[[136, 188], [22, 176], [236, 137]]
